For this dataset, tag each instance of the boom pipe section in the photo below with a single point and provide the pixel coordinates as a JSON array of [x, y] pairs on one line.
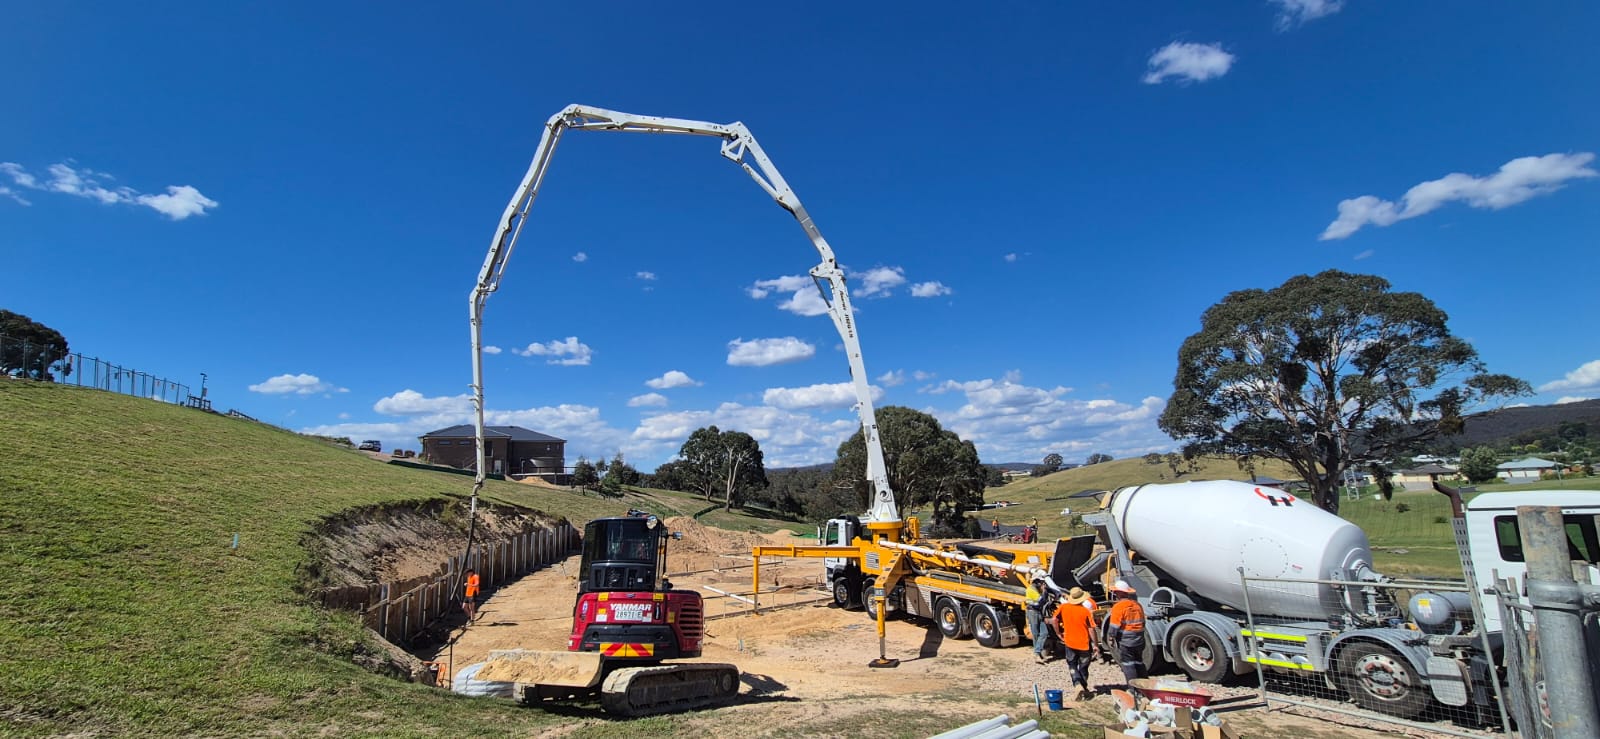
[[738, 144]]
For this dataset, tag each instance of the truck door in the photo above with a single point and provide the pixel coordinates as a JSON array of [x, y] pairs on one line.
[[1496, 544]]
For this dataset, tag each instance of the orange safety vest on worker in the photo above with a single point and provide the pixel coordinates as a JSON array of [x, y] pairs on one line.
[[1076, 624], [472, 585], [1127, 621]]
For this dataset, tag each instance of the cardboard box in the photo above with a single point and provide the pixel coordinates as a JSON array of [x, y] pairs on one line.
[[1203, 731]]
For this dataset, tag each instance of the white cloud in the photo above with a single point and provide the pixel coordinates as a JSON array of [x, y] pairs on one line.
[[409, 402], [1010, 421], [787, 438], [491, 349], [1518, 180], [570, 352], [179, 202], [893, 378], [921, 376], [929, 290], [1364, 255], [648, 399], [344, 416], [1188, 62], [645, 275], [879, 281], [765, 352], [1565, 399], [1012, 257], [833, 395], [804, 300], [580, 257], [10, 193], [1292, 13], [1581, 379], [301, 384], [672, 378]]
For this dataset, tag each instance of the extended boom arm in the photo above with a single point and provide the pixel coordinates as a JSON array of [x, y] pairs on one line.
[[739, 147]]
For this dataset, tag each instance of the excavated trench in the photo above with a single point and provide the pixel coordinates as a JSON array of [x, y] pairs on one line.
[[396, 565]]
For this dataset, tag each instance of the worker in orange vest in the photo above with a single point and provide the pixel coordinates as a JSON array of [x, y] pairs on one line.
[[1125, 628], [469, 599], [1076, 625]]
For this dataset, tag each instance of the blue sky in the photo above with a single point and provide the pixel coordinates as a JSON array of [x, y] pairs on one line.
[[1034, 203]]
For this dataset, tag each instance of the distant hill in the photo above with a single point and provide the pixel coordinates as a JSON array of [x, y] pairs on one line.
[[1520, 425]]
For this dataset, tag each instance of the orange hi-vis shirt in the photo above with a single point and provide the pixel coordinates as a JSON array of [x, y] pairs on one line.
[[472, 585], [1076, 623], [1127, 615]]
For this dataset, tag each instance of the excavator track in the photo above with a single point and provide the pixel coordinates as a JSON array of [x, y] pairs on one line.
[[643, 691]]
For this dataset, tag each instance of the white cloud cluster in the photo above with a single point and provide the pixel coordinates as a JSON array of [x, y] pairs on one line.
[[1010, 421], [409, 402], [1012, 257], [832, 395], [1583, 379], [1293, 13], [787, 438], [301, 384], [1186, 62], [804, 299], [893, 378], [1565, 399], [879, 281], [647, 400], [671, 379], [570, 352], [179, 201], [647, 276], [929, 290], [1518, 180], [580, 257], [766, 352]]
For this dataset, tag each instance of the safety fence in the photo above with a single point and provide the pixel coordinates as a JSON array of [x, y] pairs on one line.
[[1530, 678], [402, 609], [22, 358], [1438, 677]]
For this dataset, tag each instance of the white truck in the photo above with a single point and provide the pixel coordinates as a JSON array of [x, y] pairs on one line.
[[1210, 558]]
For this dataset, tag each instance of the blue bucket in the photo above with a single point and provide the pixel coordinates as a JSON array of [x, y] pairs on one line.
[[1053, 697]]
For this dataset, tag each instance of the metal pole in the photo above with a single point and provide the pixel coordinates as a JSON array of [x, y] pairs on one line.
[[1255, 646], [1558, 604]]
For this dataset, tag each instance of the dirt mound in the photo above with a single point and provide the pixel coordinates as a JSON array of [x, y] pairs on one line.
[[702, 539], [577, 669], [404, 541]]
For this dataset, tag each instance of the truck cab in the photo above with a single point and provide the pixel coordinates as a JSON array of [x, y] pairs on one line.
[[1496, 545]]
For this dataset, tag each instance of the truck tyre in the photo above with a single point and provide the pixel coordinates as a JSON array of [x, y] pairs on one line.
[[1199, 652], [985, 624], [841, 594], [1380, 680], [871, 604], [952, 622]]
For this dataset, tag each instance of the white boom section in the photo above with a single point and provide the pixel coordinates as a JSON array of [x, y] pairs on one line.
[[739, 147]]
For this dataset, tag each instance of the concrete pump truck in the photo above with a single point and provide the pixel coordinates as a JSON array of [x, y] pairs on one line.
[[627, 618]]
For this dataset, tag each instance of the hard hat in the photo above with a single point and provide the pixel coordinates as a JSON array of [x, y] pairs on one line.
[[1121, 586]]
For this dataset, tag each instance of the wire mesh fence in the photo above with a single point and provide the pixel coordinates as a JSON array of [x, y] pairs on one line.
[[34, 361], [1408, 653]]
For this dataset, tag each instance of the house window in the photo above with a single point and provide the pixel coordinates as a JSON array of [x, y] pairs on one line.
[[1582, 543], [444, 442]]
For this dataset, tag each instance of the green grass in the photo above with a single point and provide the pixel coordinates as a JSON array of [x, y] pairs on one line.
[[124, 608]]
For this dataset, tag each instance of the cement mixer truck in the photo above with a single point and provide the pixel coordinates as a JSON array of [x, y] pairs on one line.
[[1234, 576]]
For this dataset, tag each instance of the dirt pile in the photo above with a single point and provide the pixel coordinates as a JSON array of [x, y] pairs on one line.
[[699, 538]]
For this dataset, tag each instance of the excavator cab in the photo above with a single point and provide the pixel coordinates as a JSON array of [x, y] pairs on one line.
[[624, 554]]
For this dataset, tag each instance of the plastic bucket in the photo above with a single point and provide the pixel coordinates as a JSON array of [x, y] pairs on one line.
[[1053, 697]]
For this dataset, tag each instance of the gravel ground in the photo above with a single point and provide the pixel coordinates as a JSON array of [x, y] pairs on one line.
[[1238, 702]]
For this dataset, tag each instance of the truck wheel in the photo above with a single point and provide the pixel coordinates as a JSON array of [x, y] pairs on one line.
[[985, 625], [1380, 680], [1199, 652], [871, 603], [841, 594], [951, 620]]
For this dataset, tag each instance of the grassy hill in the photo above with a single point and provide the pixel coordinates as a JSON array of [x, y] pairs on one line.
[[125, 609]]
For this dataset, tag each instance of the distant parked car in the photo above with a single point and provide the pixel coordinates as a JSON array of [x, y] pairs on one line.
[[370, 446]]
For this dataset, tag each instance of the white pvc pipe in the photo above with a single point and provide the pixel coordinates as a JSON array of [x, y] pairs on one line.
[[972, 730]]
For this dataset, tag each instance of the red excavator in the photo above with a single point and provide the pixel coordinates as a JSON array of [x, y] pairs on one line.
[[627, 620]]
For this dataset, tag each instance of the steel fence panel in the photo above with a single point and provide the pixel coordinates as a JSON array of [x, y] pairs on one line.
[[76, 370], [1416, 661]]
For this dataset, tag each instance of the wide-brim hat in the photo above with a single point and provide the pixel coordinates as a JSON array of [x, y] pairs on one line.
[[1075, 596]]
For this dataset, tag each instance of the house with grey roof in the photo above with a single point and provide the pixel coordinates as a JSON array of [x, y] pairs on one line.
[[1421, 477], [508, 450], [1524, 470]]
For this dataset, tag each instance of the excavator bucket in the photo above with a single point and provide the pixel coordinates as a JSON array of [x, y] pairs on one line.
[[533, 667]]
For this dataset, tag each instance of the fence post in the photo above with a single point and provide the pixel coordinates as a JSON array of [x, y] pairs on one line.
[[1558, 605]]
